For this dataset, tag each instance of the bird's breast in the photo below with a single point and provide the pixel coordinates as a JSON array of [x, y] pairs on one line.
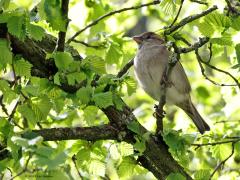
[[149, 65]]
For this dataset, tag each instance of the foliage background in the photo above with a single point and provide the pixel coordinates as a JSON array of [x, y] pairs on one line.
[[39, 103]]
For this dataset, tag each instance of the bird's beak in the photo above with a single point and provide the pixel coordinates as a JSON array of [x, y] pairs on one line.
[[138, 39]]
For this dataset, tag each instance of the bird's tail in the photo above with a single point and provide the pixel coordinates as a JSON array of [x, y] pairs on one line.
[[196, 117]]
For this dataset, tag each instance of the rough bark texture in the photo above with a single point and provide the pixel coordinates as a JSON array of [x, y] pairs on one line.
[[156, 157]]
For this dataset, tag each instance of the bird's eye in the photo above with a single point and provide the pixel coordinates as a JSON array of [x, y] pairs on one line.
[[148, 37]]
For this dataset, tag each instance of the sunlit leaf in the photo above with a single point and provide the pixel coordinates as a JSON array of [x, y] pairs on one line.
[[202, 174], [36, 32], [113, 54], [84, 94], [103, 100], [174, 176], [237, 49], [5, 55], [22, 68], [16, 26], [63, 60]]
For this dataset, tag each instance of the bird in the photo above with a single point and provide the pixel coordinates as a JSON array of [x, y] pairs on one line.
[[150, 62]]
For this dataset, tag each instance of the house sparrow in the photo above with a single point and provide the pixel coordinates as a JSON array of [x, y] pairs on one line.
[[149, 64]]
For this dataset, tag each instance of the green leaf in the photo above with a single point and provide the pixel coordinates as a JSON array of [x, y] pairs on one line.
[[218, 20], [117, 101], [126, 168], [63, 60], [114, 152], [174, 176], [20, 141], [237, 49], [126, 149], [236, 23], [203, 92], [97, 64], [131, 85], [222, 41], [134, 127], [114, 54], [202, 174], [51, 11], [41, 106], [16, 26], [90, 114], [4, 4], [23, 68], [36, 32], [140, 145], [5, 55], [56, 79], [75, 77], [28, 113], [206, 28], [84, 94], [97, 167], [103, 100], [221, 151], [168, 6]]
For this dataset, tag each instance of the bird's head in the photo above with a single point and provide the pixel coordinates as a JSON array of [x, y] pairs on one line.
[[148, 37]]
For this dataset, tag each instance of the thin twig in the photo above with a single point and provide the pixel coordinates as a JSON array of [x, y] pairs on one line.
[[10, 117], [225, 72], [86, 44], [176, 17], [199, 60], [62, 34], [188, 20], [3, 105], [24, 169], [216, 143], [110, 14], [226, 121], [231, 8], [125, 68], [221, 164], [75, 164], [199, 2]]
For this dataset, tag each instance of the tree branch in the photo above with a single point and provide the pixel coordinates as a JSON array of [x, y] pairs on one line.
[[110, 14], [200, 61], [86, 44], [216, 143], [188, 20], [24, 169], [200, 2], [125, 68], [85, 133], [62, 34]]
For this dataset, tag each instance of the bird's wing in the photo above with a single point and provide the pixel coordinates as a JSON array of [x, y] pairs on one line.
[[179, 79]]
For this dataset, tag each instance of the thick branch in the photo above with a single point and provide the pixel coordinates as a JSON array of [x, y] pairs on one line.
[[85, 133], [110, 14]]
